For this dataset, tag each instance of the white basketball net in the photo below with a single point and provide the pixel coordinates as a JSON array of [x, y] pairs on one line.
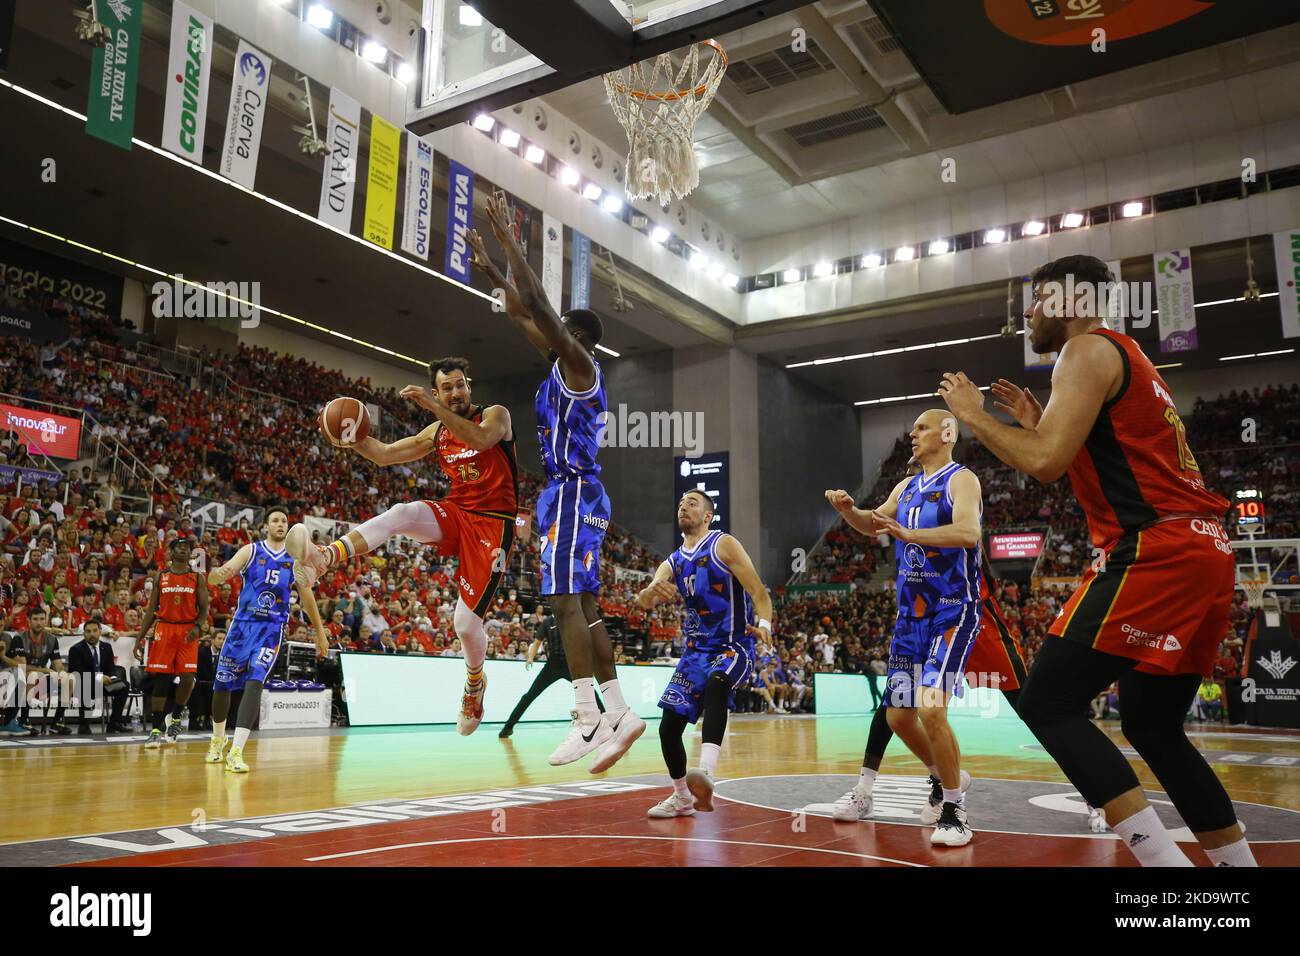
[[1254, 590], [658, 103]]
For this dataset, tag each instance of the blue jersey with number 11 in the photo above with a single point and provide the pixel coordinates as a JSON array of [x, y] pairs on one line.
[[264, 596]]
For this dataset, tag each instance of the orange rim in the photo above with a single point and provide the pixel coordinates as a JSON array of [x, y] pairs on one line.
[[677, 94]]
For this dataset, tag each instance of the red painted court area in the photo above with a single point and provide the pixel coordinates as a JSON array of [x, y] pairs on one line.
[[613, 830]]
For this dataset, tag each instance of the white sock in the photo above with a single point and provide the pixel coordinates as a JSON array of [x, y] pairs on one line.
[[241, 737], [866, 781], [584, 700], [612, 696], [218, 728], [683, 792], [1234, 854], [709, 758], [952, 796], [1146, 836]]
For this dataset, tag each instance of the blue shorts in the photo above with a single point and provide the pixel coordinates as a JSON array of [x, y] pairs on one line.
[[931, 650], [572, 516], [685, 691], [248, 654]]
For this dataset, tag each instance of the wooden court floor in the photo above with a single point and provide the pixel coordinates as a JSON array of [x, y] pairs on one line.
[[426, 796]]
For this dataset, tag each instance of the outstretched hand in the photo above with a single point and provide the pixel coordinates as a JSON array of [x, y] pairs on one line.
[[1017, 402]]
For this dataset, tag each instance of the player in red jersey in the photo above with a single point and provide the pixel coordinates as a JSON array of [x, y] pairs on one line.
[[475, 447], [178, 612], [1153, 608]]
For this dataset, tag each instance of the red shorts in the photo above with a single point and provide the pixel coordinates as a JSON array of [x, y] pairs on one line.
[[1161, 598], [170, 652], [482, 543], [996, 655]]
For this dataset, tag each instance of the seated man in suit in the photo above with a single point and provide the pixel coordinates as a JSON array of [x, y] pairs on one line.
[[97, 673]]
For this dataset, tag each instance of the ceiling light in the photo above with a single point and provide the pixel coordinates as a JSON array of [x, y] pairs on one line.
[[1132, 210], [509, 138], [659, 234], [904, 253], [320, 16], [592, 192], [405, 73], [872, 260], [792, 275], [938, 247], [1072, 220], [699, 260], [995, 236], [372, 51], [730, 280], [469, 17], [823, 269], [534, 153], [1033, 228], [612, 204], [569, 176], [716, 270], [484, 122]]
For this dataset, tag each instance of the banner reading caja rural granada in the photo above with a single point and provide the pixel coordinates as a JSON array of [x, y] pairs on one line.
[[114, 67], [56, 436]]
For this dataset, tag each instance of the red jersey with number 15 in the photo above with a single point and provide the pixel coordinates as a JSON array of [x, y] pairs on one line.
[[1135, 466], [482, 482]]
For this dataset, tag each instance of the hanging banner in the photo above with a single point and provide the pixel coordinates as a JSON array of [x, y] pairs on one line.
[[248, 98], [8, 9], [114, 68], [189, 65], [381, 182], [1032, 358], [553, 260], [1286, 250], [416, 217], [1174, 300], [342, 136], [580, 283], [460, 219]]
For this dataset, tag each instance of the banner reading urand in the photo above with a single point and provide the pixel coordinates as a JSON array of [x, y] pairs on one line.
[[1174, 300], [1286, 250], [110, 110], [460, 219], [381, 182], [189, 65], [416, 217], [552, 260], [248, 97], [580, 282], [342, 135]]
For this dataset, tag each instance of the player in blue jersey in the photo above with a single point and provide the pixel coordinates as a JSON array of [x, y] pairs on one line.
[[267, 571], [934, 517], [573, 510], [722, 592]]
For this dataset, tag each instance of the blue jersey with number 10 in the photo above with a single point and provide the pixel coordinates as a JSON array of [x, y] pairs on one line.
[[717, 607], [264, 596]]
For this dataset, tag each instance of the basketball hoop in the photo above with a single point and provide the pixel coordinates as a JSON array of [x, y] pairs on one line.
[[1254, 590], [658, 102]]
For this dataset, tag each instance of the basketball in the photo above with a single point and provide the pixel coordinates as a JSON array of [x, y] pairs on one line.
[[344, 421]]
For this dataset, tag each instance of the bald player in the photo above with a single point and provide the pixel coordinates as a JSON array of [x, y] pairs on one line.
[[934, 518]]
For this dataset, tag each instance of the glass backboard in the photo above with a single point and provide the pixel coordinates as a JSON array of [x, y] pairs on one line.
[[469, 64]]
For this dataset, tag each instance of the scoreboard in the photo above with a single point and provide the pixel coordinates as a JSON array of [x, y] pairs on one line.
[[1248, 511]]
